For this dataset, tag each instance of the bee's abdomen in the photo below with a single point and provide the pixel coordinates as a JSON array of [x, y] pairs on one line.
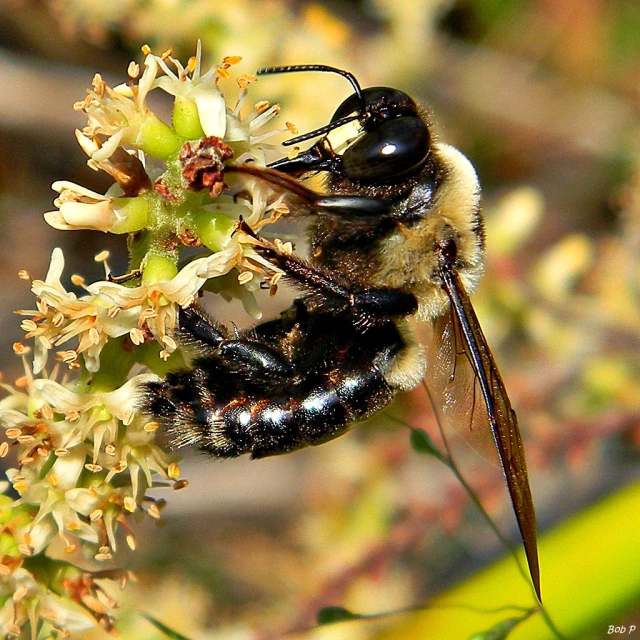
[[224, 417]]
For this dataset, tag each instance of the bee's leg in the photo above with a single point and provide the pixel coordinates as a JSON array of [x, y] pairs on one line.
[[249, 355], [198, 328], [338, 294], [256, 357]]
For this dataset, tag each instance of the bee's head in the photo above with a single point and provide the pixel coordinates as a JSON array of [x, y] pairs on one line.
[[376, 135]]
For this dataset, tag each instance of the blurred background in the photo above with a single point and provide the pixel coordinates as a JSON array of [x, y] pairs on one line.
[[544, 97]]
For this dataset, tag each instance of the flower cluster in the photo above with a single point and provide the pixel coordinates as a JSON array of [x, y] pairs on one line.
[[85, 456]]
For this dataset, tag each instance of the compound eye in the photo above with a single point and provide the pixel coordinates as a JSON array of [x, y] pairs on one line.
[[391, 150]]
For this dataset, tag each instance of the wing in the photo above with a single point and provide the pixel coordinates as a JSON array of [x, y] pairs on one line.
[[464, 378]]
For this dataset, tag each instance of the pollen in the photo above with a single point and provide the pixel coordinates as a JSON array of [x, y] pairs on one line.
[[245, 80], [102, 256], [68, 357], [281, 208], [47, 412], [28, 326], [58, 319], [19, 349], [133, 70], [231, 59], [137, 336], [154, 512], [169, 342]]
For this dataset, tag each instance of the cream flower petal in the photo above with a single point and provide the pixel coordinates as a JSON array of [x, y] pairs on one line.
[[62, 398], [41, 533], [110, 145], [81, 215], [212, 110], [123, 401], [82, 500], [67, 469], [65, 614], [56, 267]]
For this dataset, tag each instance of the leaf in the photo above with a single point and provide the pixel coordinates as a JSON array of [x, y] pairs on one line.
[[170, 633], [498, 631], [422, 443], [331, 615]]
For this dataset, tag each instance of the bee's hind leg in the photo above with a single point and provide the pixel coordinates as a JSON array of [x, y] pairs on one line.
[[195, 326], [252, 356]]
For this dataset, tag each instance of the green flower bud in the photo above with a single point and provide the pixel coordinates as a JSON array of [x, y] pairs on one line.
[[156, 138], [158, 269], [186, 120], [214, 230], [132, 214], [8, 545]]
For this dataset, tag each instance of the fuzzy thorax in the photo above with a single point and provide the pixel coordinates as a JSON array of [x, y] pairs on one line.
[[409, 257]]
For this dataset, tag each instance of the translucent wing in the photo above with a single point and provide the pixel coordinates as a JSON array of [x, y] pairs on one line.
[[466, 387]]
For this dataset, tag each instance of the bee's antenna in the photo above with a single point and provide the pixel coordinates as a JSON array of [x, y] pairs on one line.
[[319, 67]]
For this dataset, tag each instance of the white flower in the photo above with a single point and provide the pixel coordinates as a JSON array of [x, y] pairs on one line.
[[65, 431], [189, 82], [114, 115], [30, 600], [80, 208]]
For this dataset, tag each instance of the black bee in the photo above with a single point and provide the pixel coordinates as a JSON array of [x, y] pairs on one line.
[[398, 238]]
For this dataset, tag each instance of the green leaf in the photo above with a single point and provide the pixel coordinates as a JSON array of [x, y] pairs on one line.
[[598, 545], [170, 633], [498, 631], [422, 443], [331, 615]]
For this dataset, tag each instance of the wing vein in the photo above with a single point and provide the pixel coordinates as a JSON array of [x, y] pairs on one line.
[[502, 418]]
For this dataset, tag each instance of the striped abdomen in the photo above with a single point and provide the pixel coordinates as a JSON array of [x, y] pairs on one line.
[[226, 415]]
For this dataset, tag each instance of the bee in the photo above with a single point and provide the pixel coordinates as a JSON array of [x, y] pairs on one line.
[[396, 241]]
